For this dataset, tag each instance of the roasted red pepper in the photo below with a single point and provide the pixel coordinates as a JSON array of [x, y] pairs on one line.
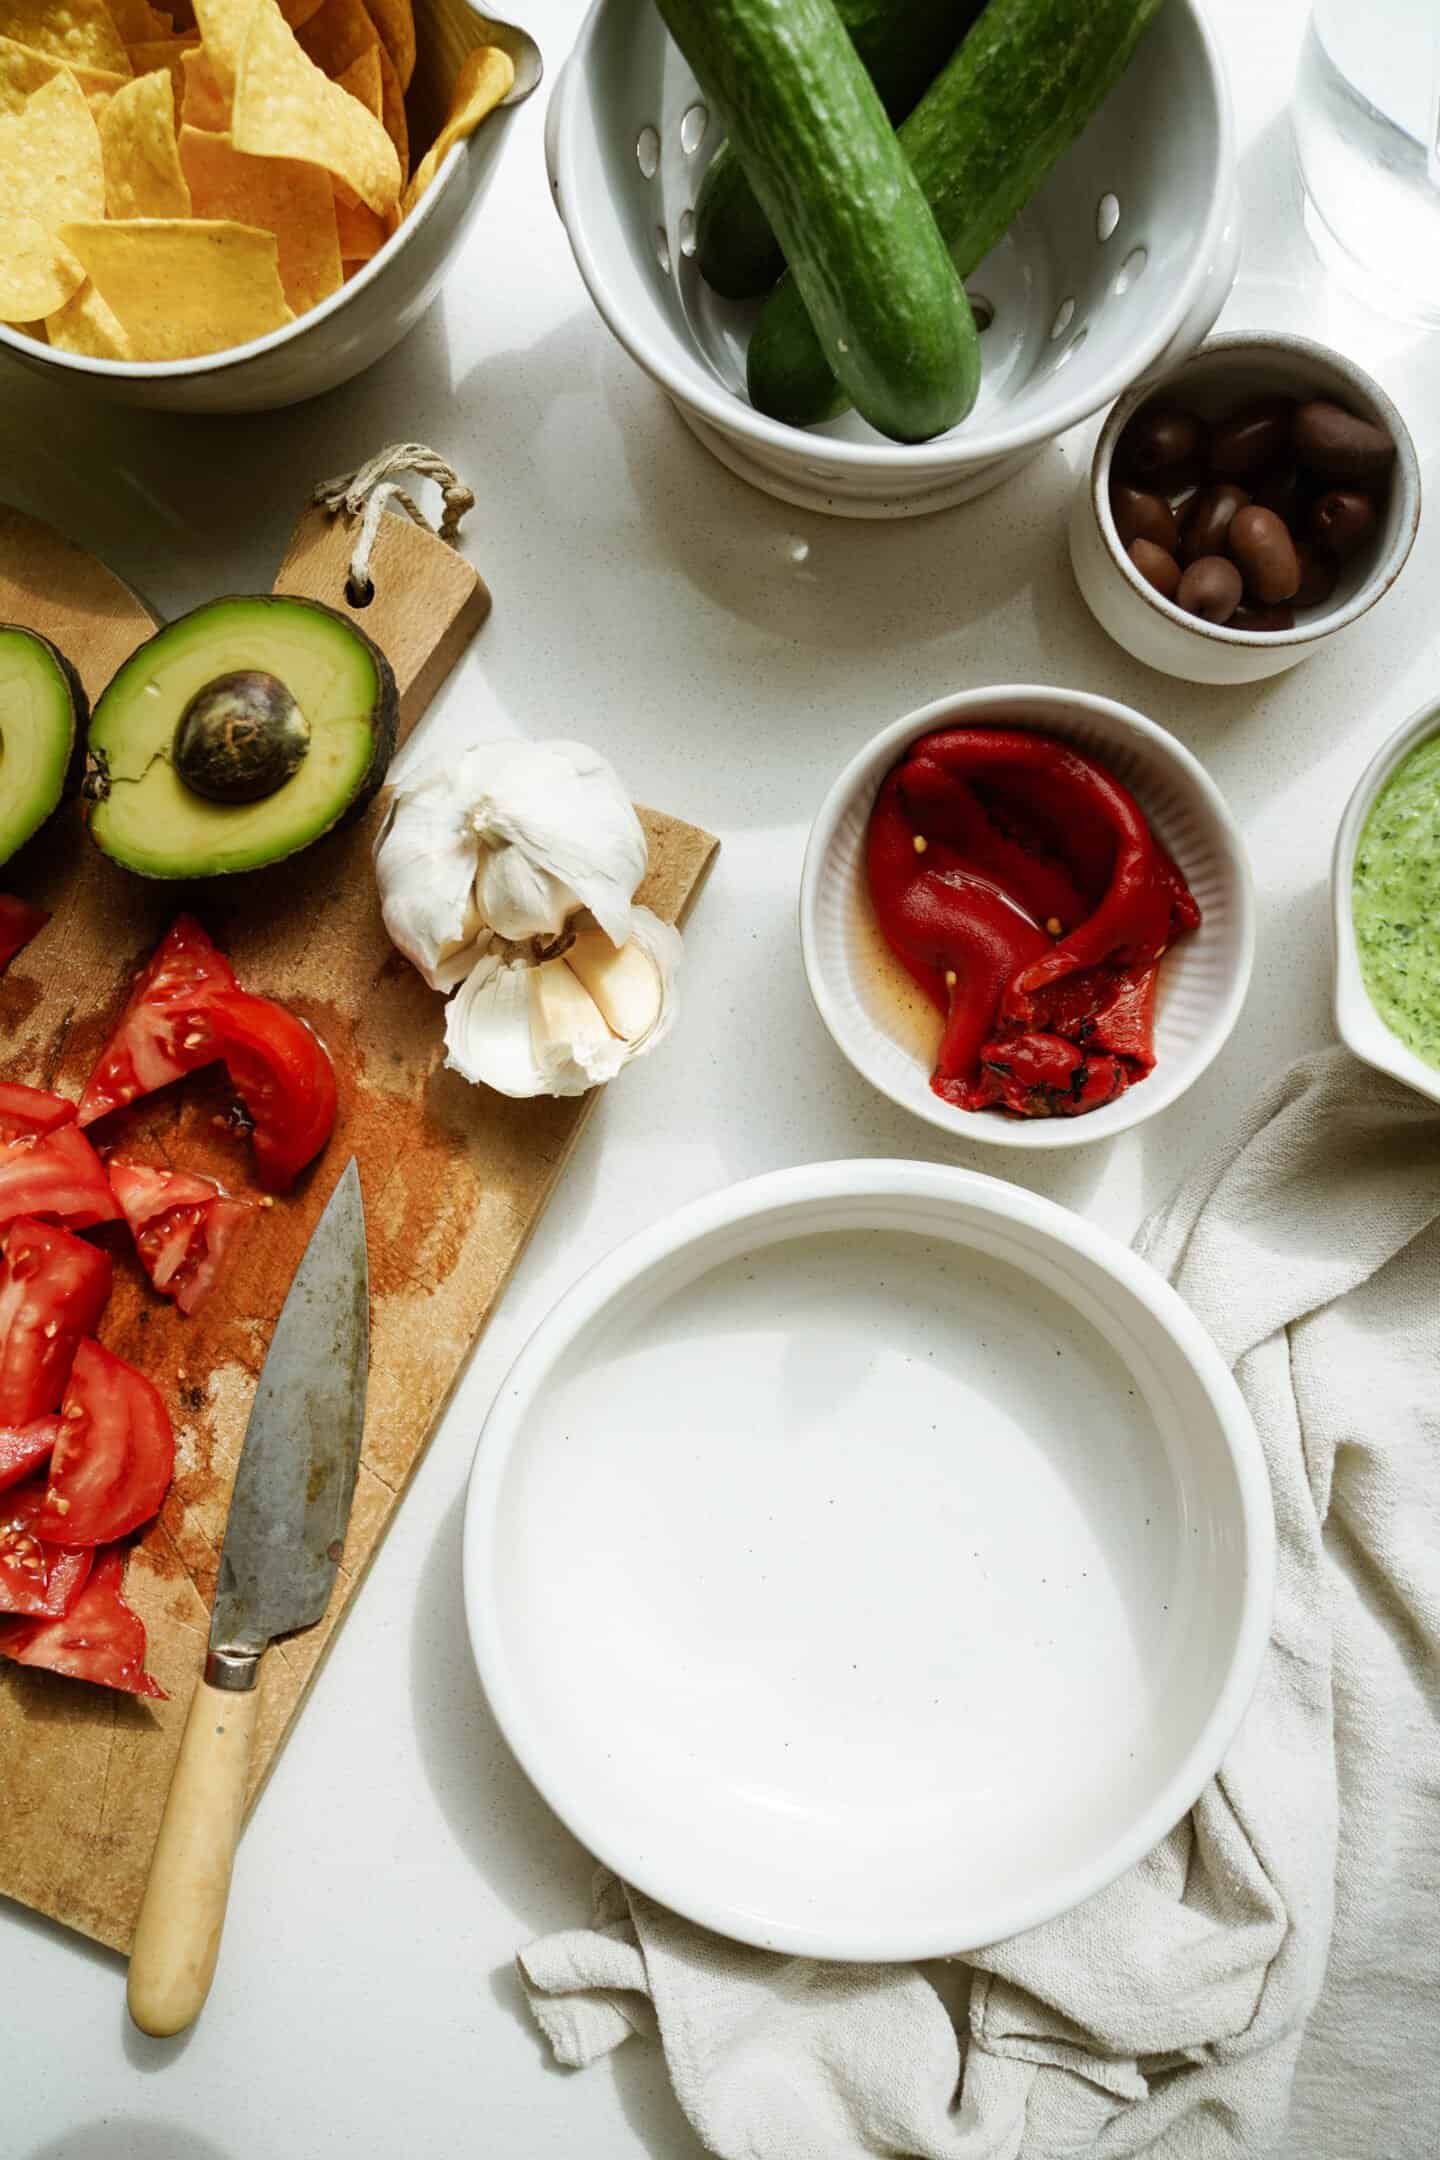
[[1020, 885]]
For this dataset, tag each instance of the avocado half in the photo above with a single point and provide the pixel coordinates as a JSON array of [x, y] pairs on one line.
[[42, 720], [236, 736]]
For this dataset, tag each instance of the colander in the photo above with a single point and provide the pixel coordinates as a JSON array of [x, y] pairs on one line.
[[1119, 266]]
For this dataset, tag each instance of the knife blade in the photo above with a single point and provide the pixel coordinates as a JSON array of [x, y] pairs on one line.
[[283, 1540]]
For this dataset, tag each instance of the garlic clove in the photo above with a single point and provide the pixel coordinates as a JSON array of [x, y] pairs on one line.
[[487, 1029], [624, 981], [558, 810], [569, 1039]]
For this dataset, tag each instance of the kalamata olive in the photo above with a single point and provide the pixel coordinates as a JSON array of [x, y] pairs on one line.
[[1207, 519], [1283, 490], [1140, 515], [1341, 445], [1156, 566], [1210, 588], [1318, 576], [1251, 616], [1162, 442], [1253, 436], [1343, 521], [1262, 546]]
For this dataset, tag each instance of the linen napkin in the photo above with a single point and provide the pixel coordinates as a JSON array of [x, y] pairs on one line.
[[1168, 2015]]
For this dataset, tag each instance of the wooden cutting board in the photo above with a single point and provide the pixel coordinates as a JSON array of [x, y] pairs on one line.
[[454, 1178]]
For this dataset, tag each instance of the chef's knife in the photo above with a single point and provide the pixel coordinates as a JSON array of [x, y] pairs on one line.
[[288, 1515]]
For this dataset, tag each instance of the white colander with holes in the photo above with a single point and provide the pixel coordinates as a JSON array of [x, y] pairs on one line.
[[1118, 267]]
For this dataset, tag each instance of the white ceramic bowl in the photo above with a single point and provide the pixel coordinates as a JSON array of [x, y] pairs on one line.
[[870, 1561], [362, 321], [1203, 980], [1120, 264], [1360, 1025], [1223, 374]]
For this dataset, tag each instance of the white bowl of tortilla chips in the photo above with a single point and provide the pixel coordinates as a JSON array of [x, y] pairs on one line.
[[245, 202]]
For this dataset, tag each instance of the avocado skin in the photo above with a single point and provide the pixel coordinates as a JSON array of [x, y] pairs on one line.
[[385, 717], [79, 722]]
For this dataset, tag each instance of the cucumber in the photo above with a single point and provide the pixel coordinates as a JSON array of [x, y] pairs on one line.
[[903, 44], [985, 135], [808, 126]]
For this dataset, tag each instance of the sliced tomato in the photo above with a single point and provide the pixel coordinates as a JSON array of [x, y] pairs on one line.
[[182, 1225], [283, 1075], [99, 1638], [36, 1578], [52, 1292], [23, 1448], [57, 1175], [162, 1033], [19, 922], [31, 1110], [113, 1460]]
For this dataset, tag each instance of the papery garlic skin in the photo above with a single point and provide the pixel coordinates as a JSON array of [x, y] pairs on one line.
[[487, 1028], [425, 868]]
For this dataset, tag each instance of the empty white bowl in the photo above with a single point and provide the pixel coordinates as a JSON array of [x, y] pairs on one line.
[[866, 1001], [1360, 1025], [869, 1561], [1223, 374]]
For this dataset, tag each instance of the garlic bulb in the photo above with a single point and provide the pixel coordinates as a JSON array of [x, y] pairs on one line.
[[508, 840]]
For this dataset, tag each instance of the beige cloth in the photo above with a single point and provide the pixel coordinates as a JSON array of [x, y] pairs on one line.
[[1166, 2016]]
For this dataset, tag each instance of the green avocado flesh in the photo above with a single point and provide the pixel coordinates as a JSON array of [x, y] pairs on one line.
[[38, 714], [144, 814]]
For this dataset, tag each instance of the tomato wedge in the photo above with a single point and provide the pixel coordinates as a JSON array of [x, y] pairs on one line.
[[31, 1110], [182, 1224], [162, 1033], [113, 1460], [23, 1448], [52, 1292], [283, 1075], [36, 1578], [19, 922], [55, 1174], [99, 1638]]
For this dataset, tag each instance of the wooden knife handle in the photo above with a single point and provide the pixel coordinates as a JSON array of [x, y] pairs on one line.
[[177, 1938]]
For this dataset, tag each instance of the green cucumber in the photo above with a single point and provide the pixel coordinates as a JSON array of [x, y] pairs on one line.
[[980, 142], [809, 128], [904, 44]]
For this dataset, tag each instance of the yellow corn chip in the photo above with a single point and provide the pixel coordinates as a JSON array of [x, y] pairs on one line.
[[203, 104], [392, 112], [23, 72], [73, 30], [361, 234], [181, 287], [280, 195], [147, 54], [285, 106], [485, 77], [395, 21], [142, 158], [336, 35], [362, 80], [50, 165], [296, 12], [86, 325], [136, 20], [37, 274], [224, 27]]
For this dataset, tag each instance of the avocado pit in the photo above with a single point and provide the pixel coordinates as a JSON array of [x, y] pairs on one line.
[[241, 737]]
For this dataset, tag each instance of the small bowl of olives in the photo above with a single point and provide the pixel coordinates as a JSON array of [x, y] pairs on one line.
[[1245, 509]]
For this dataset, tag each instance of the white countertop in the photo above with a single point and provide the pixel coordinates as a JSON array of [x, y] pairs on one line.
[[649, 603]]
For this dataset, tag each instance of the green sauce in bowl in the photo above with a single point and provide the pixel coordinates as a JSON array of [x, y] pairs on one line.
[[1395, 901]]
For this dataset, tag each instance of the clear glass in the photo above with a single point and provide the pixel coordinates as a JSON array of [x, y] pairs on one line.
[[1367, 136]]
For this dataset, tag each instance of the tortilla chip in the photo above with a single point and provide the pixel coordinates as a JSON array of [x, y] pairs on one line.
[[23, 72], [395, 21], [147, 54], [181, 287], [296, 12], [361, 234], [280, 195], [285, 106], [336, 35], [87, 325], [142, 158], [50, 165], [224, 27], [73, 30], [486, 76], [362, 80], [392, 112], [37, 274], [136, 20], [203, 104]]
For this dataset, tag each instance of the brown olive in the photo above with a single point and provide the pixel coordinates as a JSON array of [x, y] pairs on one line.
[[1318, 575], [1343, 522], [1207, 519], [1253, 436], [1250, 616], [1283, 490], [1262, 546], [1139, 515], [1156, 566], [1162, 442], [1210, 588], [1341, 445]]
